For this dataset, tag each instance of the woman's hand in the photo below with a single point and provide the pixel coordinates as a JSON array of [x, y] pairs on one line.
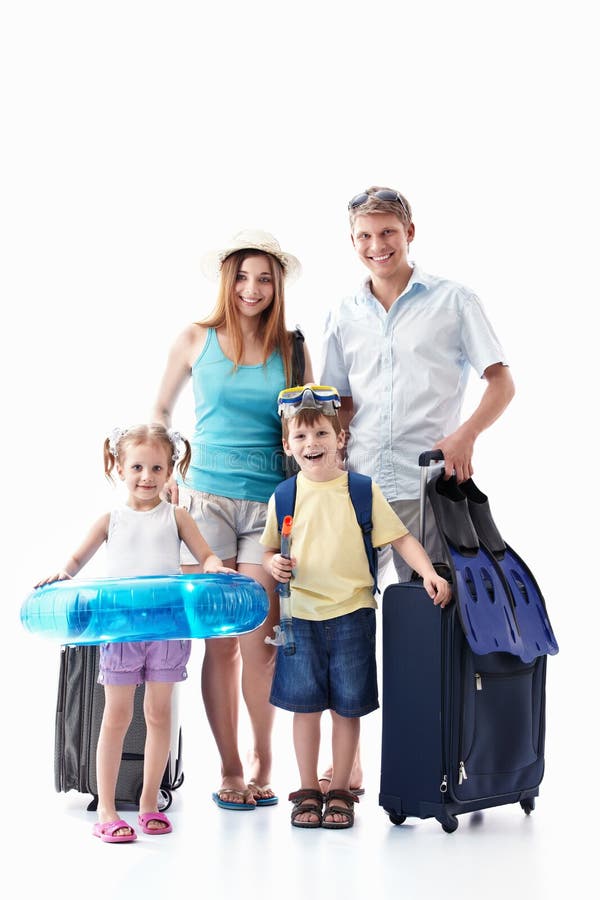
[[214, 566], [171, 492]]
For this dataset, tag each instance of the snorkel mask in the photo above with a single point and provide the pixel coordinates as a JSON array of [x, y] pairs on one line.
[[320, 397]]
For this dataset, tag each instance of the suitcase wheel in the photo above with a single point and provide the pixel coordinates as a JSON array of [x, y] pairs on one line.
[[528, 805], [449, 824], [395, 818], [165, 798]]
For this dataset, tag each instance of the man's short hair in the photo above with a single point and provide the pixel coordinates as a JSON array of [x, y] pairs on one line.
[[373, 204]]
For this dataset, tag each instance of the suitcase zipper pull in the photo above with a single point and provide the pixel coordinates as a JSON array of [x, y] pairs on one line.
[[462, 773], [444, 785], [478, 685]]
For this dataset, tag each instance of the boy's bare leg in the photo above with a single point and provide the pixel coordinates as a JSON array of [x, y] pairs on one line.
[[307, 738], [356, 776], [345, 737]]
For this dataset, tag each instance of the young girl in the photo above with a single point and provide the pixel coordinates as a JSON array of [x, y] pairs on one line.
[[142, 538], [239, 359]]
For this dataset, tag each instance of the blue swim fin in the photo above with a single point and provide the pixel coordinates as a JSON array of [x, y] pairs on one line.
[[484, 599], [529, 605]]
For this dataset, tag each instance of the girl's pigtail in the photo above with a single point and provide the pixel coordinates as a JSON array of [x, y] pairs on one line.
[[183, 463], [109, 458]]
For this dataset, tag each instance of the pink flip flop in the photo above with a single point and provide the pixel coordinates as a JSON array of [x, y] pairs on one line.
[[144, 818], [106, 832]]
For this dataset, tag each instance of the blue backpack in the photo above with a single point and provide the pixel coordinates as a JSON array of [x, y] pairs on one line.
[[361, 495]]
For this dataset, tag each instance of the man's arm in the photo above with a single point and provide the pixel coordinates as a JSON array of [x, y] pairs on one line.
[[458, 446]]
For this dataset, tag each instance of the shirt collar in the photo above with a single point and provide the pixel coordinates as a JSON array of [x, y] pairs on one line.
[[418, 278]]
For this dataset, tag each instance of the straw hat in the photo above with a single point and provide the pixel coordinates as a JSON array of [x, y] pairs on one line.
[[251, 239]]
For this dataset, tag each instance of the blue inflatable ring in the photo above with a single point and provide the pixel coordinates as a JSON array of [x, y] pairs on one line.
[[150, 608]]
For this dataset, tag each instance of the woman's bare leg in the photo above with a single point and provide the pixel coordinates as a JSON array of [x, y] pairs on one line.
[[258, 663], [220, 682]]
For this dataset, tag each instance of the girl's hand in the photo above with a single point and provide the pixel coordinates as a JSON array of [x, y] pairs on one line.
[[214, 566], [60, 576], [281, 567], [438, 589]]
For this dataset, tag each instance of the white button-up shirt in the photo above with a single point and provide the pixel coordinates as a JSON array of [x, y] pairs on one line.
[[406, 371]]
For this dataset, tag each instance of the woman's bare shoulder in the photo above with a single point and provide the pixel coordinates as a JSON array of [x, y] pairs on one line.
[[191, 340]]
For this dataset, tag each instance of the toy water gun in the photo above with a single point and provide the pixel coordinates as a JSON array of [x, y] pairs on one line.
[[284, 632]]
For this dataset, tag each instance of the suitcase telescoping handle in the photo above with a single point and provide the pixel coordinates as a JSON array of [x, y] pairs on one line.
[[425, 459]]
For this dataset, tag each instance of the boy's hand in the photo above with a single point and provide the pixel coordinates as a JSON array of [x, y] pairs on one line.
[[281, 567], [438, 589]]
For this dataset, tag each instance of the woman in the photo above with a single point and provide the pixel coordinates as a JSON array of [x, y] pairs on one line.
[[239, 359]]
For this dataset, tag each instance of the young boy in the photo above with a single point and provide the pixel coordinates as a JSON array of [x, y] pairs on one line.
[[333, 605]]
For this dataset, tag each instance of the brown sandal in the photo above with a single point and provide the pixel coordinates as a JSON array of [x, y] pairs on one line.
[[346, 811], [299, 799]]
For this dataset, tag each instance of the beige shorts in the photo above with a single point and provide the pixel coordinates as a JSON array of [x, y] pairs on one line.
[[408, 511], [230, 527]]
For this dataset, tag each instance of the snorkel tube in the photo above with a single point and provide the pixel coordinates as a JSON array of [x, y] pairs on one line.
[[284, 632]]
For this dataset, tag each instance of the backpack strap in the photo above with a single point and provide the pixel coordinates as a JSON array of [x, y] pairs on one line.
[[361, 494], [297, 357], [285, 500]]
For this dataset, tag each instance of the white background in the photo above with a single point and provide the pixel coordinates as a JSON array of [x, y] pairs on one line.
[[138, 135]]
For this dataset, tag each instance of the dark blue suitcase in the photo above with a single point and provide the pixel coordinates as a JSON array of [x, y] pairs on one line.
[[462, 731]]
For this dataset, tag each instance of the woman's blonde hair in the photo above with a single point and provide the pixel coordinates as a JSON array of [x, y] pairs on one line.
[[116, 444], [271, 327]]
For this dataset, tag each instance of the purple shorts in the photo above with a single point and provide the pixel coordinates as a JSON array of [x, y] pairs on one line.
[[134, 662]]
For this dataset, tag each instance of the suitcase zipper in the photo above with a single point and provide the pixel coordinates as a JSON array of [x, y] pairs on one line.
[[517, 674]]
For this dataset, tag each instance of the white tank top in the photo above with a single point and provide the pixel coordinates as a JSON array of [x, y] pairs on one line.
[[143, 542]]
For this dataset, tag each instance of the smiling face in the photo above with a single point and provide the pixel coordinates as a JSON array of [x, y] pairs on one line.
[[315, 445], [382, 241], [254, 285], [145, 468]]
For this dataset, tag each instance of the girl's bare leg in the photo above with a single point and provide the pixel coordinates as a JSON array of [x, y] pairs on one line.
[[118, 710], [157, 713]]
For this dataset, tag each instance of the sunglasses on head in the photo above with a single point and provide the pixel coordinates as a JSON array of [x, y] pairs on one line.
[[381, 195]]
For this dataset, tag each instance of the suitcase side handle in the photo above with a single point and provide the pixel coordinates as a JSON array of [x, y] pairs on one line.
[[425, 459], [430, 456]]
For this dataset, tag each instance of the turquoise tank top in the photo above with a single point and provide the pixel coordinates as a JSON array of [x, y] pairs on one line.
[[236, 447]]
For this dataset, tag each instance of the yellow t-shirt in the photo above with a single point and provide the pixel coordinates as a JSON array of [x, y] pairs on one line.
[[332, 575]]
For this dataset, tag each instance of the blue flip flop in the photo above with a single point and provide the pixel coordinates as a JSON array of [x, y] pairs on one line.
[[226, 804], [262, 801]]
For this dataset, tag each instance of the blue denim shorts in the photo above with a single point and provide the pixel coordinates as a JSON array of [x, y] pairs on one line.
[[334, 667], [134, 662]]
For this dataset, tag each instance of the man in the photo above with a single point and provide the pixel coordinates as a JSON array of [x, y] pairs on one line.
[[399, 352]]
